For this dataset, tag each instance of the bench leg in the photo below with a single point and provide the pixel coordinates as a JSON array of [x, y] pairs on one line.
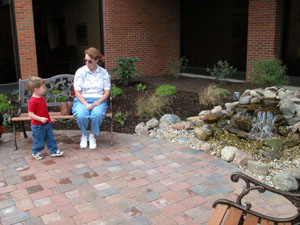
[[15, 135], [111, 132], [24, 131]]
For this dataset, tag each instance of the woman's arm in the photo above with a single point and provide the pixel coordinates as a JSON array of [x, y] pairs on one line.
[[102, 99], [82, 100]]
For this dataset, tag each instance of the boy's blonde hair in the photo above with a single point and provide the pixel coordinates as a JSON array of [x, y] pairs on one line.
[[35, 82]]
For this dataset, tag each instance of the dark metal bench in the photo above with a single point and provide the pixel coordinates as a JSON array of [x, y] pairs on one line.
[[237, 213], [59, 89]]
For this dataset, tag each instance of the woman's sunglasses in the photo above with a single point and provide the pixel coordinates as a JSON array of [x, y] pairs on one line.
[[86, 60]]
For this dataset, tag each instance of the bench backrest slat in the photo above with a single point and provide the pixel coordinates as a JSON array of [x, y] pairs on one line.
[[58, 89]]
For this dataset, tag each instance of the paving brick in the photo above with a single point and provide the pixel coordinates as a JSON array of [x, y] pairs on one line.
[[34, 189], [13, 180], [7, 203], [24, 205], [84, 207], [51, 217], [15, 218], [43, 210], [41, 194], [7, 211], [42, 202], [34, 221], [174, 209], [64, 188], [81, 171], [86, 217], [67, 210], [78, 180], [59, 199]]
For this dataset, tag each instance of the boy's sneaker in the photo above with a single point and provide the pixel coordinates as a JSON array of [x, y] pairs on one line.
[[38, 155], [57, 153], [83, 142], [92, 143]]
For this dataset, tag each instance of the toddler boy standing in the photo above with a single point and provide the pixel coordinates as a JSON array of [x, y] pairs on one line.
[[40, 120]]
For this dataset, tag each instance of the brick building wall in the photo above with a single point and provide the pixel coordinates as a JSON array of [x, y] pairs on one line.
[[264, 29], [26, 38], [148, 29]]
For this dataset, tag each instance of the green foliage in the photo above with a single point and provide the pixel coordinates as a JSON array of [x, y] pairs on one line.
[[4, 103], [149, 106], [212, 95], [222, 70], [141, 87], [116, 92], [120, 118], [61, 99], [268, 72], [165, 90], [126, 70], [55, 92], [176, 66]]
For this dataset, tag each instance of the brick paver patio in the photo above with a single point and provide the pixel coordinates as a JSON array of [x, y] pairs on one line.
[[136, 181]]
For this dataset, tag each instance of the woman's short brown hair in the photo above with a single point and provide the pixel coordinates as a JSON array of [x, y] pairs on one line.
[[35, 82], [94, 53]]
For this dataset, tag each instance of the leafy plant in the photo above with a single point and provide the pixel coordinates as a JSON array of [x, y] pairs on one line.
[[212, 95], [221, 71], [126, 70], [4, 103], [61, 99], [176, 66], [165, 90], [116, 92], [268, 72], [120, 118], [150, 105], [141, 87]]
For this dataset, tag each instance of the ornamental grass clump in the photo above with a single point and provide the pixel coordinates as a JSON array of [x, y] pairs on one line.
[[151, 105], [213, 95]]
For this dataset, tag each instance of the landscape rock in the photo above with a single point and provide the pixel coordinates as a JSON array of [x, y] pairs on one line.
[[152, 124], [241, 158], [141, 129], [257, 167], [169, 119], [228, 153], [285, 182]]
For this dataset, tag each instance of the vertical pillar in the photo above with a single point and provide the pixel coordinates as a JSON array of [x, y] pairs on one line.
[[264, 30], [26, 38]]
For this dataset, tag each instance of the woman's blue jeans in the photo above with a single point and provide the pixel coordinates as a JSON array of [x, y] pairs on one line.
[[83, 115], [40, 135]]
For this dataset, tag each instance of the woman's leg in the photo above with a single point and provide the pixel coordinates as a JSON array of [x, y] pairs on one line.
[[82, 115], [97, 116]]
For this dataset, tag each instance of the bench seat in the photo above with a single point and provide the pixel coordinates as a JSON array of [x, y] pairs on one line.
[[240, 213]]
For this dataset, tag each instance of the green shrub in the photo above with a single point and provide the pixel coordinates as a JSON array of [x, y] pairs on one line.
[[222, 70], [141, 87], [126, 70], [61, 99], [268, 72], [212, 95], [116, 92], [120, 118], [4, 103], [176, 66], [151, 105], [165, 90]]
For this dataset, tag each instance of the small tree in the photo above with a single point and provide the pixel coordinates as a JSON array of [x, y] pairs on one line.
[[221, 71], [268, 72], [126, 70]]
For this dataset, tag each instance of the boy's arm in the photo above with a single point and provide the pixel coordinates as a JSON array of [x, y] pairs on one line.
[[52, 120], [38, 118]]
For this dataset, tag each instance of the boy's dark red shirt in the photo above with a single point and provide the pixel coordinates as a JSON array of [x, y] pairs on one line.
[[39, 107]]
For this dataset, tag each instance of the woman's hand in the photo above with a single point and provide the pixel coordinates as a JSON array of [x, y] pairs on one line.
[[89, 106], [96, 103]]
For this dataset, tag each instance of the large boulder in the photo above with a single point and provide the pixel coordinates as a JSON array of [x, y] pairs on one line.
[[285, 182]]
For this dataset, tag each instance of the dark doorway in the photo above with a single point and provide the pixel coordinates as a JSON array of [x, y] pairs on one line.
[[63, 30], [7, 57], [291, 39], [212, 31]]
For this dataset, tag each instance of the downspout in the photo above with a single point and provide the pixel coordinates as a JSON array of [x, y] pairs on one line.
[[15, 39], [101, 28]]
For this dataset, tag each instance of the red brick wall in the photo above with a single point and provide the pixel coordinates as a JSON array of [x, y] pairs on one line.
[[148, 29], [26, 38], [264, 28]]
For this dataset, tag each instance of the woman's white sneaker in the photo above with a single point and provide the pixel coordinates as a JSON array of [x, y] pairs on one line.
[[92, 143], [83, 142]]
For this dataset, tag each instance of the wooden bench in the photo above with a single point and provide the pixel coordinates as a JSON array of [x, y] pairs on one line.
[[236, 213], [59, 89]]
